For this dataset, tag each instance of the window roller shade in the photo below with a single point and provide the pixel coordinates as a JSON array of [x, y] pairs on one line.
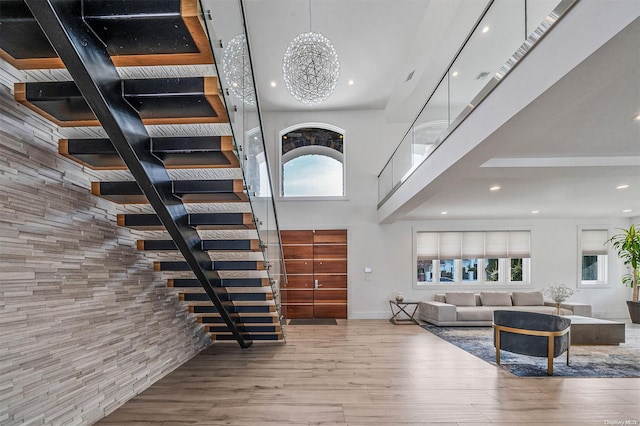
[[594, 242], [496, 244], [450, 245], [472, 245], [427, 245], [519, 242]]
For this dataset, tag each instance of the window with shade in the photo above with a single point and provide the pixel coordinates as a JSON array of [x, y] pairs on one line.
[[593, 256], [474, 257]]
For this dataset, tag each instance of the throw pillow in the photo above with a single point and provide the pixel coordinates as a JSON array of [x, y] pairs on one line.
[[461, 299], [527, 298], [495, 299]]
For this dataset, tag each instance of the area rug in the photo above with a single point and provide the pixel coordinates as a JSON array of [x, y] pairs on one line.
[[313, 321], [585, 361]]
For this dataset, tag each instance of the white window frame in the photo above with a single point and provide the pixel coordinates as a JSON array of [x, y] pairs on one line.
[[603, 261], [504, 275], [343, 160]]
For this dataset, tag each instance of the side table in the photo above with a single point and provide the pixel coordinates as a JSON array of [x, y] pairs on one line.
[[404, 307]]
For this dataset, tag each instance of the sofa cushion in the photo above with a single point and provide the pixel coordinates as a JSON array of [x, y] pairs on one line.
[[440, 298], [461, 299], [527, 298], [499, 298], [477, 313]]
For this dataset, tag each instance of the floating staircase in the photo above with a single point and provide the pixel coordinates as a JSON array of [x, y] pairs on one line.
[[226, 288]]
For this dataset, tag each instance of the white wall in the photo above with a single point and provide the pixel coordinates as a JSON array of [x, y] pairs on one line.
[[388, 249]]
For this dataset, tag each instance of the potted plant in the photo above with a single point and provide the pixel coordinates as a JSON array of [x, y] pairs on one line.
[[627, 244]]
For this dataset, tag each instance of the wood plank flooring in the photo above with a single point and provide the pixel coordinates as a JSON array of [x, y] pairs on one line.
[[368, 372]]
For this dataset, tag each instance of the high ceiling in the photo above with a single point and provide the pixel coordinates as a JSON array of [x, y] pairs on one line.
[[379, 42], [565, 165]]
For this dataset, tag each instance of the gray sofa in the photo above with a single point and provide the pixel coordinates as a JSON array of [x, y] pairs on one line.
[[469, 309]]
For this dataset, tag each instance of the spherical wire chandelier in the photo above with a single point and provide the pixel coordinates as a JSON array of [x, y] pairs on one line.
[[310, 67], [237, 69]]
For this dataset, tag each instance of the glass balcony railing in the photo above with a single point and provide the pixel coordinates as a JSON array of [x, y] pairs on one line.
[[503, 34], [227, 31]]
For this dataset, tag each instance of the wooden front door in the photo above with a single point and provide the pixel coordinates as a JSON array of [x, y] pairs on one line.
[[316, 263]]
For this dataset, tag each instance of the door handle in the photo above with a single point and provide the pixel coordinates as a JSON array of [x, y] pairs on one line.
[[315, 284]]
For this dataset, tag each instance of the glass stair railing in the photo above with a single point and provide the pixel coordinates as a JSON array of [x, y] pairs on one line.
[[225, 23], [502, 36]]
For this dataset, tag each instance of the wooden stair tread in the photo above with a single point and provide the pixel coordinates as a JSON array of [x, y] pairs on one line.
[[196, 296], [201, 221], [249, 324], [256, 336], [201, 315], [228, 283], [233, 265], [177, 35], [234, 290], [185, 100], [175, 153], [193, 191], [235, 303], [206, 245], [255, 333], [230, 290]]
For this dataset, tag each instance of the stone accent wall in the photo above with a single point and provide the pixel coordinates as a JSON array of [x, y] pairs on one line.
[[85, 322]]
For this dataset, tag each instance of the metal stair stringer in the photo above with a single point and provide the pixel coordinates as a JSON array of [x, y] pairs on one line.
[[94, 73]]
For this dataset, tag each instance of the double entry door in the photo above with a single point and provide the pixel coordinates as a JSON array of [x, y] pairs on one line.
[[316, 263]]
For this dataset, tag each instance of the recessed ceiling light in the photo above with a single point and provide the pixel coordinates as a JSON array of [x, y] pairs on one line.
[[626, 211], [351, 82], [273, 84], [636, 117], [485, 29], [443, 212], [622, 186], [454, 74], [494, 188], [535, 211]]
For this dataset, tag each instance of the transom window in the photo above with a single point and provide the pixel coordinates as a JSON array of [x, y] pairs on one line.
[[477, 257], [312, 162]]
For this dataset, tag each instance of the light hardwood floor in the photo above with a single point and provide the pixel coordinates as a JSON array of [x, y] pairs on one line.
[[369, 372]]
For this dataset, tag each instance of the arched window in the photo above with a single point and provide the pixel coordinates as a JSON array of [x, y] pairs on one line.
[[312, 161]]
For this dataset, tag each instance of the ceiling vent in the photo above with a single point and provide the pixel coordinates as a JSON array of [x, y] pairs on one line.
[[482, 75], [410, 76]]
